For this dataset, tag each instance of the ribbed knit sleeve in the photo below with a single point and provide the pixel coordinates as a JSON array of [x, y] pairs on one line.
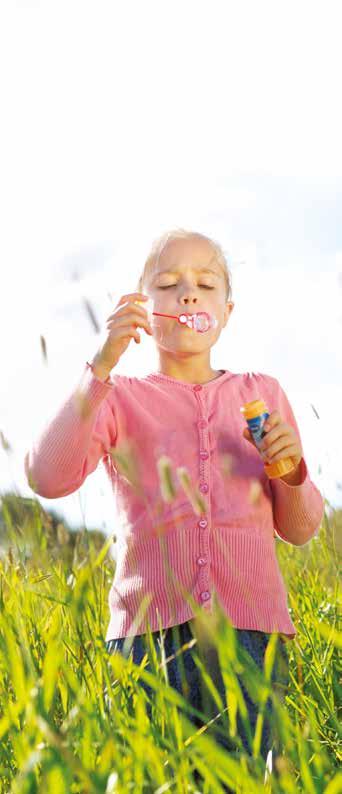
[[298, 510], [73, 441]]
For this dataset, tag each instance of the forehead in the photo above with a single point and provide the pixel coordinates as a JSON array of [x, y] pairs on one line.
[[178, 254]]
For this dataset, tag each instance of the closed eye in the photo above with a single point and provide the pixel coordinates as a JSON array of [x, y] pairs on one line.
[[205, 286]]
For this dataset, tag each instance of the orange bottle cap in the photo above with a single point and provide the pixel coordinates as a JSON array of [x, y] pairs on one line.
[[254, 408]]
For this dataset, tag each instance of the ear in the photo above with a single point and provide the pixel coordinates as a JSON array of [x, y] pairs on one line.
[[227, 312]]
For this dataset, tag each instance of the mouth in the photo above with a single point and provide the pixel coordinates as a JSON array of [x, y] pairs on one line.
[[200, 321]]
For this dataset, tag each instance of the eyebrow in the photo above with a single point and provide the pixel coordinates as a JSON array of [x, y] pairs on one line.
[[199, 269]]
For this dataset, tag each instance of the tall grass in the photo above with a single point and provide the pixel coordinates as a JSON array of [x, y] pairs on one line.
[[73, 718]]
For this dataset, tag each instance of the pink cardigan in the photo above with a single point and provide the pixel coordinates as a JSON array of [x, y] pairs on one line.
[[170, 553]]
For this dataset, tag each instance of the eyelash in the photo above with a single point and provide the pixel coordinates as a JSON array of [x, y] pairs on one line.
[[205, 286]]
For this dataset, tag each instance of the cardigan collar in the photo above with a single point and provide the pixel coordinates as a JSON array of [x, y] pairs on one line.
[[160, 376]]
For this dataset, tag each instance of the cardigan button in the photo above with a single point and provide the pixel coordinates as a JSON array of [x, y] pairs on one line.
[[201, 561], [204, 454], [204, 487], [203, 523], [202, 423], [198, 387], [205, 595]]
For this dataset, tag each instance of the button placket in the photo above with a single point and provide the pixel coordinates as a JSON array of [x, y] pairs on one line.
[[203, 453], [202, 560]]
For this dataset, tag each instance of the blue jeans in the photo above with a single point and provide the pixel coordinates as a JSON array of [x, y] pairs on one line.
[[195, 691]]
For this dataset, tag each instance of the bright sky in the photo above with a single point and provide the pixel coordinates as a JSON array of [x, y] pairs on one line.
[[122, 120]]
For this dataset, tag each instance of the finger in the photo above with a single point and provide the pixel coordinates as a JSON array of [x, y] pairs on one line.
[[132, 296], [132, 306], [248, 435], [280, 450], [128, 307], [281, 431], [288, 452], [272, 420], [121, 321], [131, 331]]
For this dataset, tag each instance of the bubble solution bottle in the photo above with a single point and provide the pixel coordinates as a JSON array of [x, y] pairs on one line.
[[199, 321], [255, 413]]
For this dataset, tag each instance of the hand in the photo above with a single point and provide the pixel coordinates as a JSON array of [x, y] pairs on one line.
[[281, 440], [121, 327]]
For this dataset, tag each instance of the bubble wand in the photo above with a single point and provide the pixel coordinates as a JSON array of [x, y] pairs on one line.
[[199, 321]]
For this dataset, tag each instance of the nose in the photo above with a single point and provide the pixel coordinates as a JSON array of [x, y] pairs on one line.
[[189, 301]]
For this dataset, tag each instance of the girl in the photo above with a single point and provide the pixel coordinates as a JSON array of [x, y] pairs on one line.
[[214, 537]]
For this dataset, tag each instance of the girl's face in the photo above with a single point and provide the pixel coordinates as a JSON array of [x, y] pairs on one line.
[[187, 279]]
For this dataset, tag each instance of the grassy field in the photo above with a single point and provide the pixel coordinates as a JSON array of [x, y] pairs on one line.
[[73, 718]]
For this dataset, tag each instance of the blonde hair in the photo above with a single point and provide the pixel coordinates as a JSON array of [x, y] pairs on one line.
[[159, 244]]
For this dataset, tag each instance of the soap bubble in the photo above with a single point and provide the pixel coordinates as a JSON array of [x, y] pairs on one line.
[[200, 321]]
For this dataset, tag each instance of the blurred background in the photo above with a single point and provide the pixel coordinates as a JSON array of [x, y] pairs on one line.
[[122, 120]]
